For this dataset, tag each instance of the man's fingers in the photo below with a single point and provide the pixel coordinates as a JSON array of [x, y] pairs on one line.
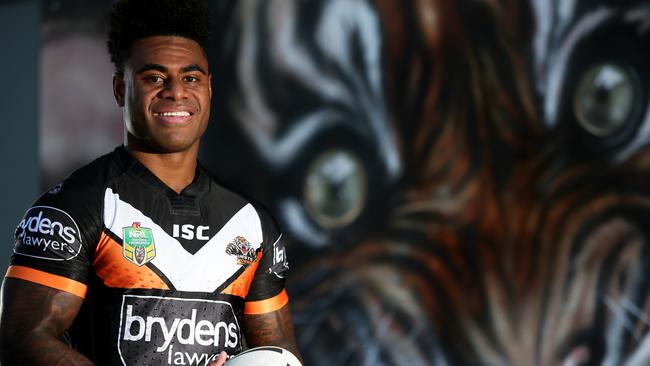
[[221, 360]]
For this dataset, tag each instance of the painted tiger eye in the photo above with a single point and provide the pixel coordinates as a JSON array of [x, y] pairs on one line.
[[335, 188], [604, 99]]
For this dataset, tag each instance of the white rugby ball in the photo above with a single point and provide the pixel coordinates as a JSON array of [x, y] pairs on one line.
[[264, 356]]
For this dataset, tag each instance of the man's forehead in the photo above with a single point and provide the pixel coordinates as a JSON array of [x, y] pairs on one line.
[[172, 52]]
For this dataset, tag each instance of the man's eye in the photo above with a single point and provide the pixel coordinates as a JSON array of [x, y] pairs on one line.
[[154, 79], [191, 79]]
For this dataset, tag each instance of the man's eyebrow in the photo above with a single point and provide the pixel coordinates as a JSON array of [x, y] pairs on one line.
[[194, 67], [161, 68], [148, 67]]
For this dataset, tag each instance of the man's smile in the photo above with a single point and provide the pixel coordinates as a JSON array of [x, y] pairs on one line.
[[173, 116]]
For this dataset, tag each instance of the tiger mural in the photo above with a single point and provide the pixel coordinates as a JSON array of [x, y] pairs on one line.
[[498, 151]]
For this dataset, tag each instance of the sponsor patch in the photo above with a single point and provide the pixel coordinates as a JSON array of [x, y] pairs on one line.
[[158, 330], [48, 233], [139, 247], [242, 249], [280, 262]]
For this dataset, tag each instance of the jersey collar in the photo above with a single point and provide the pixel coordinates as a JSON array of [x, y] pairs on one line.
[[199, 185]]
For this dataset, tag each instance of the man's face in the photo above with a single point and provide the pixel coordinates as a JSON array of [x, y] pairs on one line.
[[165, 91]]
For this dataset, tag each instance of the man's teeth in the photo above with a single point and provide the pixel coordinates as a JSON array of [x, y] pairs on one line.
[[173, 114]]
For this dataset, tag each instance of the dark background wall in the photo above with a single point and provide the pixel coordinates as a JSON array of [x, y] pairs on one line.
[[19, 78]]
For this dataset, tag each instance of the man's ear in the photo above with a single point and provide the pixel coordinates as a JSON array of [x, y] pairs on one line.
[[118, 88]]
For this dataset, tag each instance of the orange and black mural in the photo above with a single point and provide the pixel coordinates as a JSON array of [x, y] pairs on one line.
[[463, 182], [466, 182]]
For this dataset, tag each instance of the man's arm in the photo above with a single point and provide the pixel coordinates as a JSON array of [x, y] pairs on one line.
[[32, 318], [271, 329]]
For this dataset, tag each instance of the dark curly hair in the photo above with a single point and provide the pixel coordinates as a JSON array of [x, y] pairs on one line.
[[131, 20]]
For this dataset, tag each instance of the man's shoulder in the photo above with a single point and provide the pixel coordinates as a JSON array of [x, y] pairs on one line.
[[240, 198], [90, 178]]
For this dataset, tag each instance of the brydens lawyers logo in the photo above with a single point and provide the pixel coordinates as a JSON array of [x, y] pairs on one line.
[[242, 249], [139, 247], [158, 330], [48, 233]]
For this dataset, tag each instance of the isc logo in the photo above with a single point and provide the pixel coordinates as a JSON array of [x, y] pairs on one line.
[[189, 232]]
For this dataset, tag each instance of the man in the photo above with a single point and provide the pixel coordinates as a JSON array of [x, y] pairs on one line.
[[140, 258]]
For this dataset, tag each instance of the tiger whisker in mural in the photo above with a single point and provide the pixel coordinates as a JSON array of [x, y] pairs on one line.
[[465, 182], [634, 310]]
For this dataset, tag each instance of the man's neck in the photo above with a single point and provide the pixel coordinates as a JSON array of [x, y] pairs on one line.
[[176, 170]]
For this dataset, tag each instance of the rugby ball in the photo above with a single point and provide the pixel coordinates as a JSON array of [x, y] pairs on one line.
[[264, 356]]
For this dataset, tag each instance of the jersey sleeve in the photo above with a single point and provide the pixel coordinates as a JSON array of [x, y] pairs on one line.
[[267, 292], [54, 241]]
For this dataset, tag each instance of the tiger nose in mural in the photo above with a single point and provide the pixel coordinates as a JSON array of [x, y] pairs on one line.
[[466, 181]]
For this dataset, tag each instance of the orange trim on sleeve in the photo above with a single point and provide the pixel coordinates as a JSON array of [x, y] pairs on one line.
[[115, 271], [48, 279], [268, 305]]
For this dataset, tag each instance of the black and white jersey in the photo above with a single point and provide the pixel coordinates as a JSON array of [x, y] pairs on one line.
[[166, 277]]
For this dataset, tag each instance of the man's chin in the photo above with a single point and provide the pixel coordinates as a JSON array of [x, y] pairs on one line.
[[169, 146], [175, 148]]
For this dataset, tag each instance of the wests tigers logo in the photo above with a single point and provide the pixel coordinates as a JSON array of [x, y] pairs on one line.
[[242, 249]]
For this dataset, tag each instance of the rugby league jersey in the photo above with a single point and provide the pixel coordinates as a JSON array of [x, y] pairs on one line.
[[166, 277]]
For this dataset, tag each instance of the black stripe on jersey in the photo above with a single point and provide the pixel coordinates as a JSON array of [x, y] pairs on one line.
[[235, 275], [162, 276], [80, 273], [229, 280], [112, 236]]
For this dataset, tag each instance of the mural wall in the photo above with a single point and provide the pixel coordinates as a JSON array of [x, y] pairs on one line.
[[463, 182]]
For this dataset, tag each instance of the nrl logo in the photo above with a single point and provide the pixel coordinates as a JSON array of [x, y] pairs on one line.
[[242, 249], [139, 247]]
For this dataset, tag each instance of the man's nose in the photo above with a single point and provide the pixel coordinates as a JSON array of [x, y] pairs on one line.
[[174, 90]]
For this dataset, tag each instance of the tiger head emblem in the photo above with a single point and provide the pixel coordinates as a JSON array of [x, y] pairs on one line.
[[242, 249]]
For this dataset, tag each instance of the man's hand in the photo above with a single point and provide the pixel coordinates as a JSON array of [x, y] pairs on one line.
[[221, 360]]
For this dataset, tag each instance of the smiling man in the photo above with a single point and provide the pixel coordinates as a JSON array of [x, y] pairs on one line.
[[141, 258]]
